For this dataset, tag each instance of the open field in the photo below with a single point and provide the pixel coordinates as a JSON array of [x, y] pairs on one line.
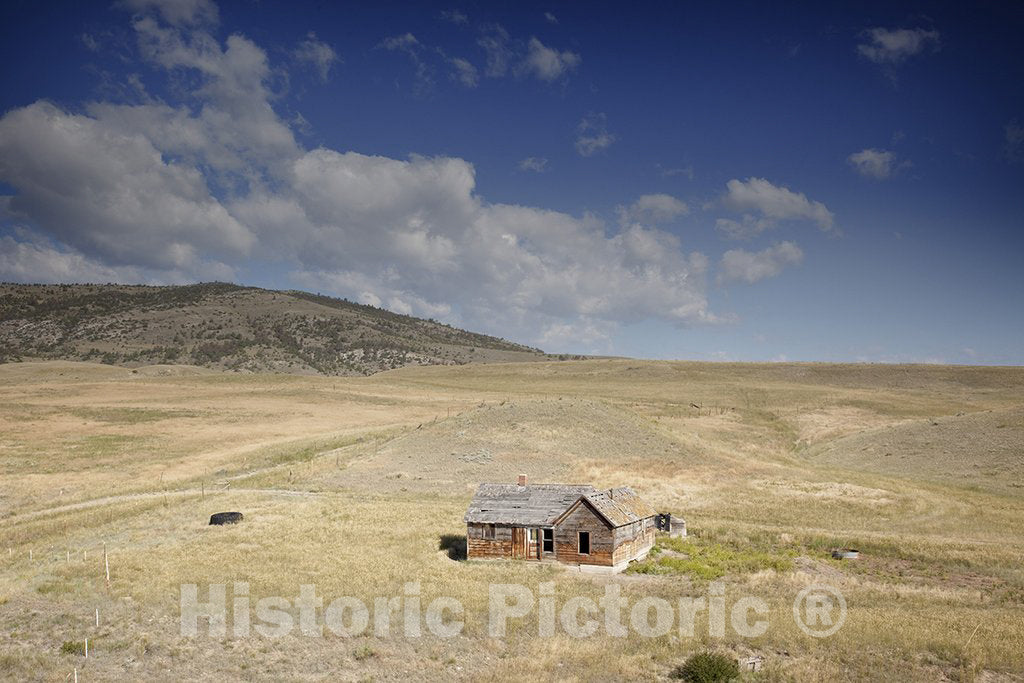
[[358, 485]]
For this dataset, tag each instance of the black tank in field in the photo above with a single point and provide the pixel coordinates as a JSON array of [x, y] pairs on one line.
[[219, 518]]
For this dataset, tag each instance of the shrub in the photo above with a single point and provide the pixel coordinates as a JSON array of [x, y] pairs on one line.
[[73, 647], [707, 667], [364, 652]]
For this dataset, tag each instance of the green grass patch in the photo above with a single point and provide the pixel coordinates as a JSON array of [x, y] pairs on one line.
[[130, 416], [708, 560]]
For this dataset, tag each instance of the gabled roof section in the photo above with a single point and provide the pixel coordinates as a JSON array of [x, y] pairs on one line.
[[533, 505], [620, 506]]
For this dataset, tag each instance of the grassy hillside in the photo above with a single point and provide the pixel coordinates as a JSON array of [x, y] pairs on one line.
[[225, 326], [358, 485]]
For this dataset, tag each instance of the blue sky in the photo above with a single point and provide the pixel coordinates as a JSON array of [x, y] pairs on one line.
[[718, 181]]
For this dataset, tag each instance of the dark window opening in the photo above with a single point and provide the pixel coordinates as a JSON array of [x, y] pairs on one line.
[[584, 543], [489, 532], [549, 540]]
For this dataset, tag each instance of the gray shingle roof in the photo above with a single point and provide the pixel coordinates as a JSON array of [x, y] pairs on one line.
[[542, 504], [621, 505], [533, 505]]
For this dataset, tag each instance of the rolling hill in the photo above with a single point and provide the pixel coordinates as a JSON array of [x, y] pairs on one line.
[[230, 327]]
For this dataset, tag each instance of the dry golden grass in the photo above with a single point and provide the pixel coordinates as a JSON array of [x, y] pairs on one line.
[[352, 484]]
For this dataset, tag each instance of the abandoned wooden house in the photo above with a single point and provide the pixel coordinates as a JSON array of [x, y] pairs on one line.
[[573, 524]]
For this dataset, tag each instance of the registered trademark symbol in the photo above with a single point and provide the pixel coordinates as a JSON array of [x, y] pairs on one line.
[[819, 610]]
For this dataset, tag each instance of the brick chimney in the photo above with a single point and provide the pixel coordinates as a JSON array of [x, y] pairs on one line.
[[522, 480]]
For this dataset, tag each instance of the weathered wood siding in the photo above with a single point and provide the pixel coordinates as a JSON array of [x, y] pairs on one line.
[[478, 547], [602, 537], [633, 540], [608, 546]]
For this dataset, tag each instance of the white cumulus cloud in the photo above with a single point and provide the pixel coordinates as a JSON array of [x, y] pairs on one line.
[[873, 163], [549, 64], [32, 259], [416, 231], [651, 209], [764, 204], [454, 16], [410, 46], [317, 54], [494, 40], [238, 116], [426, 60], [464, 72], [535, 164], [739, 265], [109, 192], [592, 135], [893, 46]]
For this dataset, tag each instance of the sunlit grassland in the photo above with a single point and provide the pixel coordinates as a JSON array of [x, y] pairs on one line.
[[938, 591], [334, 542]]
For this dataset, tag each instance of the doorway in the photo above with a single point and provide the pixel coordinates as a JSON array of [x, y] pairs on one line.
[[518, 542]]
